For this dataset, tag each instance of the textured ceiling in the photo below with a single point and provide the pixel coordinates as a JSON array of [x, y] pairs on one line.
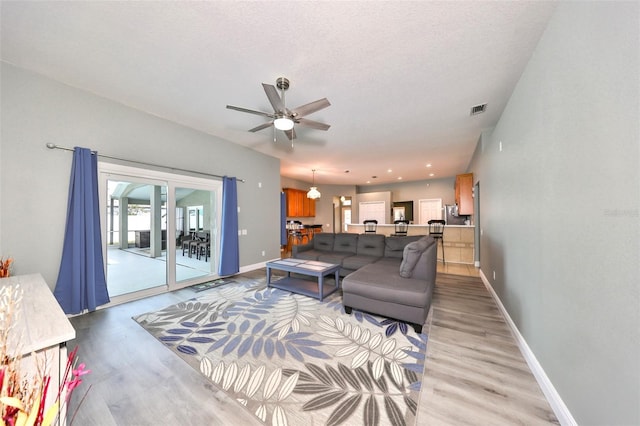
[[401, 76]]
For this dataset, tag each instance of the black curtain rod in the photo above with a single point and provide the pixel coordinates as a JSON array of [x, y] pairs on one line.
[[54, 146]]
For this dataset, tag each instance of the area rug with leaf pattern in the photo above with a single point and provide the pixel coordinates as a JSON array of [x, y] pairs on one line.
[[291, 359]]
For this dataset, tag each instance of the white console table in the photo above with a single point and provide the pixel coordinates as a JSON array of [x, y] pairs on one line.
[[43, 329]]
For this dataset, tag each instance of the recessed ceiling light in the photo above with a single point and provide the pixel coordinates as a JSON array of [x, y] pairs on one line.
[[399, 177], [368, 181], [431, 174], [389, 171], [428, 165]]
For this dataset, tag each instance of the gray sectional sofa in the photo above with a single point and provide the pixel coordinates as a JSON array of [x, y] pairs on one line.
[[389, 276]]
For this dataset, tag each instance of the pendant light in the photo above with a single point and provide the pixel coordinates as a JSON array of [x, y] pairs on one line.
[[313, 192]]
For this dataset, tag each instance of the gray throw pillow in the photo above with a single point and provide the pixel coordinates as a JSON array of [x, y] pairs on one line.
[[410, 257]]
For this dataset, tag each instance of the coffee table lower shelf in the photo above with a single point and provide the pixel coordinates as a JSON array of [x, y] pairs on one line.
[[305, 287], [310, 268]]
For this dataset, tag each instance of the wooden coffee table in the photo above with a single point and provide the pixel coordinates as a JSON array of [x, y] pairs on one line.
[[304, 267]]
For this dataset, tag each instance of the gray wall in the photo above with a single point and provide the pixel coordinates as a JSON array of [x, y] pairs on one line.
[[560, 208], [34, 180]]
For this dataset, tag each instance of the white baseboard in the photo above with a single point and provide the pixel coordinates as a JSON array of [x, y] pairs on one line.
[[253, 267], [557, 404]]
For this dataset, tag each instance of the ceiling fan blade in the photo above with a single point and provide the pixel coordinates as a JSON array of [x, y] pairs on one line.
[[311, 107], [291, 134], [251, 111], [262, 126], [274, 98], [313, 124]]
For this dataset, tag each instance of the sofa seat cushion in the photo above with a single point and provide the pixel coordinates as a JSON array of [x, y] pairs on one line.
[[310, 254], [391, 261], [335, 258], [358, 261], [383, 282]]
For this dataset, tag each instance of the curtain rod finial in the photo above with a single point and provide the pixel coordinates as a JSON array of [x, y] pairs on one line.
[[51, 145]]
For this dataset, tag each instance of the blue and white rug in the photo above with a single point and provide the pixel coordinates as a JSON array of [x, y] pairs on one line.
[[290, 359]]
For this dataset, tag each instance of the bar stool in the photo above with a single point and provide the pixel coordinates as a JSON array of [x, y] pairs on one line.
[[370, 226], [295, 232], [401, 227], [312, 230], [436, 230]]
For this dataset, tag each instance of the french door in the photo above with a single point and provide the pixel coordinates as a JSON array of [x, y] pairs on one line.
[[160, 230]]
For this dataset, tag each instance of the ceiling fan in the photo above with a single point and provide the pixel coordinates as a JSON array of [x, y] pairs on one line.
[[283, 118]]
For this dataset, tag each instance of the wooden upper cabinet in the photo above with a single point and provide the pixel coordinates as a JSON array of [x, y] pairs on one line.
[[298, 205], [464, 193]]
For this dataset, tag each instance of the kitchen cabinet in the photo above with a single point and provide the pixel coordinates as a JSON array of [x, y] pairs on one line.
[[464, 193], [298, 205]]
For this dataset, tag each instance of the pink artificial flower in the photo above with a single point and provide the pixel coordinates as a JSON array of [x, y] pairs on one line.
[[80, 371], [71, 385]]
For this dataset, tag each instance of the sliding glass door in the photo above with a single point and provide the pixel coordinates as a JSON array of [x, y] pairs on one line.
[[195, 233], [160, 230], [136, 235]]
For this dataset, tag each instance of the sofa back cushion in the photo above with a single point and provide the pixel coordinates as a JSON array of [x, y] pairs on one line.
[[394, 246], [426, 266], [371, 245], [323, 241], [345, 243], [413, 263]]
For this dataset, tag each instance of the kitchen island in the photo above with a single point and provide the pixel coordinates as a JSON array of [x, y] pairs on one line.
[[458, 239]]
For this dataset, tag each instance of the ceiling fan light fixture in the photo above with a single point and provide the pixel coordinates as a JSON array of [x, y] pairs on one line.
[[283, 123]]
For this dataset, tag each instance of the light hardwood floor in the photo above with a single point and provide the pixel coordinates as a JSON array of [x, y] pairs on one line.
[[474, 372]]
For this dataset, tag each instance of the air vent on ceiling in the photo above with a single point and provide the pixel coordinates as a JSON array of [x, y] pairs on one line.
[[478, 109]]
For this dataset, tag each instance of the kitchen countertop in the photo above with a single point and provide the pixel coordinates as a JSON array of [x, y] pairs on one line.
[[458, 241]]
